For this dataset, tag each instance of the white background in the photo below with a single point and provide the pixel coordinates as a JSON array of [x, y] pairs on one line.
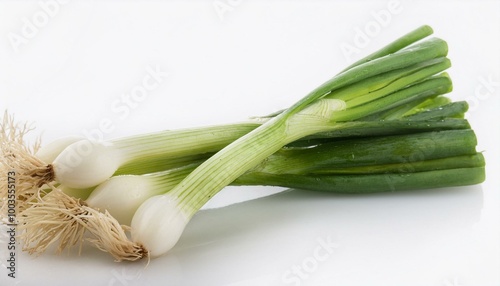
[[68, 66]]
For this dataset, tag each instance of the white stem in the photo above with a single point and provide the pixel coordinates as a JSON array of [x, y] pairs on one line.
[[158, 224], [48, 153], [85, 164], [76, 193], [72, 158], [121, 196]]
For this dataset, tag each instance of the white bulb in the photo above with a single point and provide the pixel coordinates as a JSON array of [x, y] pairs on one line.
[[158, 224], [48, 153], [84, 164], [121, 196]]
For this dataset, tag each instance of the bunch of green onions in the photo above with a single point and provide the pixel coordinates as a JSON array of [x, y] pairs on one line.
[[382, 124]]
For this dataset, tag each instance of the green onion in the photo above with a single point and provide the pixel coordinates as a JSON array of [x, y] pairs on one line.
[[378, 86], [400, 43], [464, 161], [389, 127], [160, 220], [122, 195], [80, 163], [370, 183], [84, 163], [382, 124], [372, 151], [174, 159], [453, 109]]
